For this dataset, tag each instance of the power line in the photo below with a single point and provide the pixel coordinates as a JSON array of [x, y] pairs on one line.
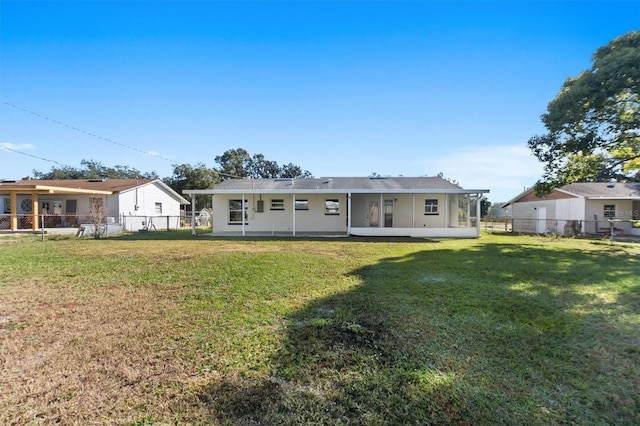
[[35, 156], [60, 123], [92, 135]]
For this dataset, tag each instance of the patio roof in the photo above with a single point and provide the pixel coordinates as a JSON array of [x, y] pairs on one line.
[[336, 185]]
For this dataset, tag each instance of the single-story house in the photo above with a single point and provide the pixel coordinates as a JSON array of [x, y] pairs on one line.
[[128, 204], [363, 206], [579, 208]]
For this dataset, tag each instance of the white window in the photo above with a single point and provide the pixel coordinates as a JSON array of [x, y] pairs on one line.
[[277, 204], [235, 212], [332, 206], [158, 208], [430, 207], [302, 204], [609, 210]]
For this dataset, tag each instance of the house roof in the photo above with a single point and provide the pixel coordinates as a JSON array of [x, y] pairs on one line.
[[83, 186], [603, 189], [337, 185], [593, 190]]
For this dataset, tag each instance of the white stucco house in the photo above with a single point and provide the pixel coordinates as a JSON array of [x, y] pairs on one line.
[[129, 204], [583, 208], [362, 206]]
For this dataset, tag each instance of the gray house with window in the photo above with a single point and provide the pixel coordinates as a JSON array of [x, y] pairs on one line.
[[363, 206], [579, 208]]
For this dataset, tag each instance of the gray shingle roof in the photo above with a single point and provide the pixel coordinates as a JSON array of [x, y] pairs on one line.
[[603, 189], [340, 184]]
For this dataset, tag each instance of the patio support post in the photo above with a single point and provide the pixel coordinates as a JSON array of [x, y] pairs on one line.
[[446, 210], [413, 210], [293, 208], [348, 213], [242, 214], [14, 211], [34, 210], [478, 214], [380, 211], [468, 210], [193, 215]]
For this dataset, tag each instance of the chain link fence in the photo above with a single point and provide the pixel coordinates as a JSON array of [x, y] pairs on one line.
[[113, 224]]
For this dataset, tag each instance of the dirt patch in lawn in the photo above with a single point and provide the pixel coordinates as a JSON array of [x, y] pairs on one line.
[[109, 356]]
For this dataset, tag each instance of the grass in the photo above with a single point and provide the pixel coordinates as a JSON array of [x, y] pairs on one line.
[[164, 328]]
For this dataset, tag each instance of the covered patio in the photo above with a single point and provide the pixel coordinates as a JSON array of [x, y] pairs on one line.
[[36, 218]]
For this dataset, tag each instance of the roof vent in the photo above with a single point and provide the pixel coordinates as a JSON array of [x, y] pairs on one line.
[[96, 180], [329, 180], [7, 181], [612, 183]]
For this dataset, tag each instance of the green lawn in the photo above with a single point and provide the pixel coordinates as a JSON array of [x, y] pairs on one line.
[[164, 328]]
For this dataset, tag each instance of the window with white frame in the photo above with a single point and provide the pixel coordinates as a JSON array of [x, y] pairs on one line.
[[332, 206], [609, 211], [302, 204], [235, 212], [277, 204], [158, 208], [430, 207]]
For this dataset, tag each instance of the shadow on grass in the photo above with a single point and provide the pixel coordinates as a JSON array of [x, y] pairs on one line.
[[205, 234], [496, 334]]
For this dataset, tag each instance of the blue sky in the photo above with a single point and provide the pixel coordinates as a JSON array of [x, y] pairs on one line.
[[339, 88]]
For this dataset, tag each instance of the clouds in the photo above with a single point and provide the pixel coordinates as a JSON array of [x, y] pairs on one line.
[[504, 169], [16, 147]]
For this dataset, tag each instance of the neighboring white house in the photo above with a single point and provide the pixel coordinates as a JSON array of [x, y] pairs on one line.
[[129, 204], [583, 208], [364, 206]]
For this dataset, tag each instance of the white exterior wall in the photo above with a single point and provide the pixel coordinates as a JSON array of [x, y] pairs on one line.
[[624, 212], [525, 216], [408, 215], [312, 220], [146, 197], [566, 210]]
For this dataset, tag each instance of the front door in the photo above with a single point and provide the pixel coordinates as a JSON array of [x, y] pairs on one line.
[[374, 214]]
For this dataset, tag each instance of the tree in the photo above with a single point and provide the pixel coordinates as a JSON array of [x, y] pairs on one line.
[[234, 163], [97, 216], [199, 176], [93, 170], [593, 124], [292, 171], [258, 167], [239, 163], [485, 205]]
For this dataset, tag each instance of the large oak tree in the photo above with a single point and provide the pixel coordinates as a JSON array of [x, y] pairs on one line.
[[593, 124]]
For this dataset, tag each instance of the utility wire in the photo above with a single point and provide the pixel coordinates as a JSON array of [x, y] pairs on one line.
[[94, 136], [34, 156], [88, 133]]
